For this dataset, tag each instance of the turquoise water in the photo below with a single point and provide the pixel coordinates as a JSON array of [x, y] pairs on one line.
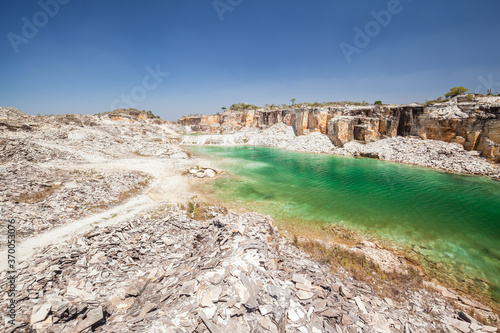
[[452, 220]]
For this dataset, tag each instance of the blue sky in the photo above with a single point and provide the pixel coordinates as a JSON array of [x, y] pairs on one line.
[[87, 55]]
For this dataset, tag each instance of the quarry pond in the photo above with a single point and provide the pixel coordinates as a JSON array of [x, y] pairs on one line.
[[451, 222]]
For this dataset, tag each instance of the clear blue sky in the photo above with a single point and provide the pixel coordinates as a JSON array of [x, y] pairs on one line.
[[90, 53]]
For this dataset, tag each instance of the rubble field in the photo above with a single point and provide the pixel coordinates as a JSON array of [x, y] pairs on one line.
[[40, 198], [231, 273]]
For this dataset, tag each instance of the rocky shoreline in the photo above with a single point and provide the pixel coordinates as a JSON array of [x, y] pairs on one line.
[[388, 257], [145, 264], [472, 121], [434, 154]]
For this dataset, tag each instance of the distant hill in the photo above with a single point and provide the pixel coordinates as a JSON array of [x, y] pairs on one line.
[[142, 114], [8, 113]]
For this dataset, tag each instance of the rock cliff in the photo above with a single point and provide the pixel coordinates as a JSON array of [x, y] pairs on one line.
[[473, 123]]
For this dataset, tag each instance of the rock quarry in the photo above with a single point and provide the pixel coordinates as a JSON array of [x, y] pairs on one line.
[[473, 123], [110, 237]]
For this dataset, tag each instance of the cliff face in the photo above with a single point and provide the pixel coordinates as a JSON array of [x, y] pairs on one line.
[[475, 124], [476, 127]]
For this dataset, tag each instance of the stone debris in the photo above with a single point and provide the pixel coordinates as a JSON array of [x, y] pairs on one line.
[[210, 173], [428, 153], [40, 197], [360, 304], [39, 313], [86, 138], [20, 150], [92, 317], [202, 172], [162, 274], [408, 150], [45, 179]]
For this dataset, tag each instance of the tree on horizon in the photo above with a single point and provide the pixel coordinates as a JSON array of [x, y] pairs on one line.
[[455, 91]]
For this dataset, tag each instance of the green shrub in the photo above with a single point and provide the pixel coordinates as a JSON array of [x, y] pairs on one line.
[[455, 91]]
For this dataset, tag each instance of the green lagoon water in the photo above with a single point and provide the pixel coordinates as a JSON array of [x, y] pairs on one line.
[[449, 219]]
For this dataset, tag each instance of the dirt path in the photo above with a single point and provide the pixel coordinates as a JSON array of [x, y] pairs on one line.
[[168, 185]]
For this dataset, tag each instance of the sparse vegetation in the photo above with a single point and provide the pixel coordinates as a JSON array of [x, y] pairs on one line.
[[455, 91], [37, 196], [130, 112], [134, 190], [294, 104], [391, 284], [83, 175], [201, 211], [243, 107], [139, 154], [191, 115], [440, 99]]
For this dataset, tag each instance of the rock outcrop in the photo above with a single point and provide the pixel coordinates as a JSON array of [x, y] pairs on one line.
[[474, 124]]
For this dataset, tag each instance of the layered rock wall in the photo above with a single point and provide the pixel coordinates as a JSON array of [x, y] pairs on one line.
[[476, 127], [474, 124]]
